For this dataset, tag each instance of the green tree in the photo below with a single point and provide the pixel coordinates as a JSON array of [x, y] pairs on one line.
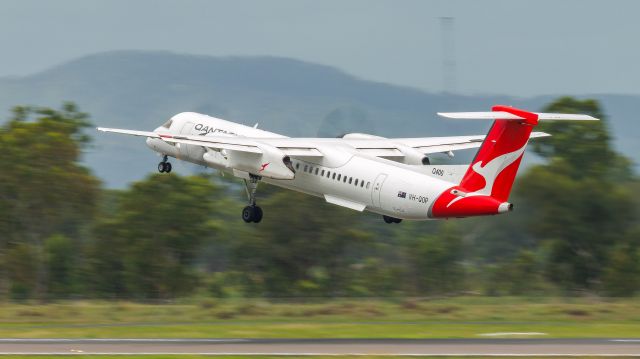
[[518, 276], [622, 275], [60, 258], [44, 190], [43, 187], [582, 208], [303, 248], [152, 242], [580, 148], [21, 265], [437, 262]]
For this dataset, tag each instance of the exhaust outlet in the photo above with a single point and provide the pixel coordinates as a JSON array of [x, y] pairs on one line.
[[505, 207]]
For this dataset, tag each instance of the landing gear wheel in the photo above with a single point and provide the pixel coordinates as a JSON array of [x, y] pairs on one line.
[[257, 215], [388, 219], [252, 214], [248, 213], [164, 166]]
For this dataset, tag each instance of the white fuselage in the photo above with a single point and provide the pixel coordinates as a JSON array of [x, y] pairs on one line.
[[342, 175]]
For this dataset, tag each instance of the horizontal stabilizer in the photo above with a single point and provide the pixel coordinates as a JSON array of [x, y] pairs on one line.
[[502, 115]]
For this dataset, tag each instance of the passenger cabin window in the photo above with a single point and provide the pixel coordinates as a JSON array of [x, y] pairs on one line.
[[298, 165], [350, 178], [344, 179], [334, 175], [317, 169], [356, 183], [368, 183], [361, 183], [322, 173], [339, 177], [305, 168]]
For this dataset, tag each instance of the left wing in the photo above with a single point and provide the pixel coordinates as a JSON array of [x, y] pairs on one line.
[[398, 149], [431, 145]]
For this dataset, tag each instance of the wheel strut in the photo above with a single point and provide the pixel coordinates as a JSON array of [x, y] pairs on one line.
[[252, 213]]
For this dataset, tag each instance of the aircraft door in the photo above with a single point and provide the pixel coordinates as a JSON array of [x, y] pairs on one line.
[[186, 130], [377, 189]]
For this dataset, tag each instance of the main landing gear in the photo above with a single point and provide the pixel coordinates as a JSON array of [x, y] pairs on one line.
[[164, 166], [388, 219], [252, 213]]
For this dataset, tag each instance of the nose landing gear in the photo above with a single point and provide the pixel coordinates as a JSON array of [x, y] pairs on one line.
[[252, 213], [164, 166]]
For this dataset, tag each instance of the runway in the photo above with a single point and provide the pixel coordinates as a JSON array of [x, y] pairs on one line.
[[298, 347]]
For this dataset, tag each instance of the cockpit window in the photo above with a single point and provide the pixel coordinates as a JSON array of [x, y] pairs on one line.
[[167, 124]]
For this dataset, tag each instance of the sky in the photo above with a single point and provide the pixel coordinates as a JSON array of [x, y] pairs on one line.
[[511, 47]]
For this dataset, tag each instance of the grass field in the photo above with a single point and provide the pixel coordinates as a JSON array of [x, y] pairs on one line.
[[75, 356], [464, 317]]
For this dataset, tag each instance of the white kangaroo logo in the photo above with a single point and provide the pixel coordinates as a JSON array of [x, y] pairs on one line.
[[490, 172]]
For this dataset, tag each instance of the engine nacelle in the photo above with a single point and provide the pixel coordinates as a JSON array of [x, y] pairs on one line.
[[272, 163], [412, 156], [217, 159]]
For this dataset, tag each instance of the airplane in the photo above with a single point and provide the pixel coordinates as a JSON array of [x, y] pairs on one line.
[[392, 177]]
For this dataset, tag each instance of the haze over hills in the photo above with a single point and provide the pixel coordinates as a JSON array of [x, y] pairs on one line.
[[140, 90]]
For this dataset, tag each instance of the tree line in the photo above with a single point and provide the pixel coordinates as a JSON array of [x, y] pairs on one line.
[[62, 235]]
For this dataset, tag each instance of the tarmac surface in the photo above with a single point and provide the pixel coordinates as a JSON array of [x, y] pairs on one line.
[[436, 347]]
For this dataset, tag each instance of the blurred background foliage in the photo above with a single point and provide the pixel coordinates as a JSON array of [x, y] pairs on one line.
[[574, 232]]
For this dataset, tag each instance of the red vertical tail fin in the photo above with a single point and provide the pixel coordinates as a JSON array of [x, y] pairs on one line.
[[486, 185], [494, 168]]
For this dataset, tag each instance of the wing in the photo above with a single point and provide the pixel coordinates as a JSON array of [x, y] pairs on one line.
[[391, 148], [429, 145], [219, 143]]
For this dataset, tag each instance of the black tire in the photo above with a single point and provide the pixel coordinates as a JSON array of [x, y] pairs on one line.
[[387, 219], [161, 167], [248, 214], [397, 220], [167, 167], [257, 215]]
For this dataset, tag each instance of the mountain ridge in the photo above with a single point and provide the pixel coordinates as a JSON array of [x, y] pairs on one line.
[[141, 89]]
